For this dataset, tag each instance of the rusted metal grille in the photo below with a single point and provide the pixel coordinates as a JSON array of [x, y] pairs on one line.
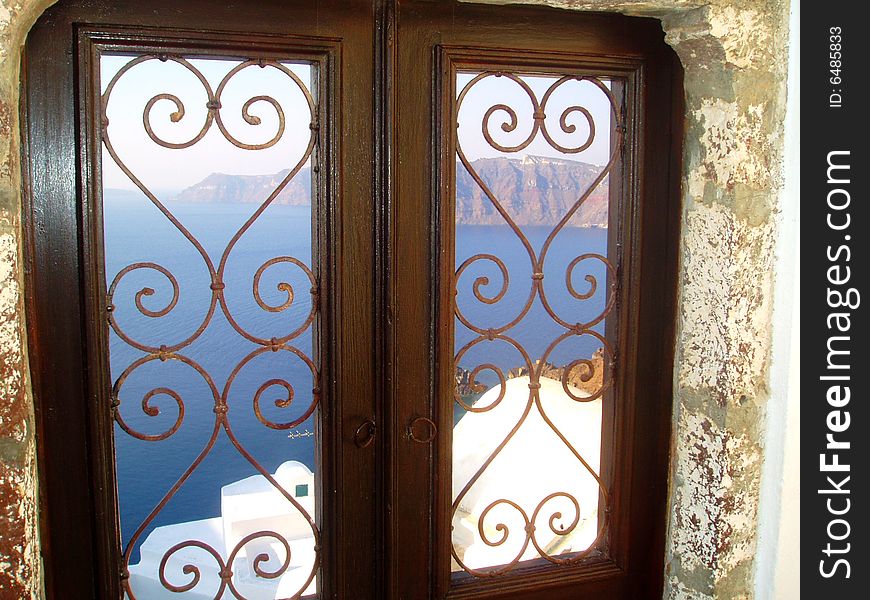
[[533, 518], [223, 564]]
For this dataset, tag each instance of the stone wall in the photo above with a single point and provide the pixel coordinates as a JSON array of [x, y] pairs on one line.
[[734, 55], [20, 566]]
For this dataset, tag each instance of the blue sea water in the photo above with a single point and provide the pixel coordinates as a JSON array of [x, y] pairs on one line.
[[537, 329], [135, 231]]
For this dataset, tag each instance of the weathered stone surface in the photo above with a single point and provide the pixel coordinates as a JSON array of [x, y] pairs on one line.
[[725, 307], [20, 575], [734, 56], [20, 564], [19, 537]]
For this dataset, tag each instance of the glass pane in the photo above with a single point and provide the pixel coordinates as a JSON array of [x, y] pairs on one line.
[[211, 307], [534, 285]]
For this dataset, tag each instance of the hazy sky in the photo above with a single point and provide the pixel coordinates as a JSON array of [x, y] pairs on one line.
[[502, 90], [165, 169]]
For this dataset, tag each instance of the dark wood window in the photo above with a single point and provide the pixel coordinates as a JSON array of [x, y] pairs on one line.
[[360, 299]]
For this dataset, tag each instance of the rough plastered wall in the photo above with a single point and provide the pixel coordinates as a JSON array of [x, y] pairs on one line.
[[734, 55], [20, 572]]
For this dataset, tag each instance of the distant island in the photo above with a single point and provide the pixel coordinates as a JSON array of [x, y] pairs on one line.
[[534, 190], [249, 189]]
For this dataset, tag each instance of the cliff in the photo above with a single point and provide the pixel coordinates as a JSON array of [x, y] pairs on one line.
[[249, 189], [533, 190]]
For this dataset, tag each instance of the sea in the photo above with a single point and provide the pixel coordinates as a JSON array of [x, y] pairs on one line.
[[136, 232]]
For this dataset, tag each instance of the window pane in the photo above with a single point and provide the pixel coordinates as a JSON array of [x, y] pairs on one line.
[[211, 306], [534, 285]]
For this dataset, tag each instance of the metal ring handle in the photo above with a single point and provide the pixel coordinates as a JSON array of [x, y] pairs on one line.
[[432, 430], [372, 430]]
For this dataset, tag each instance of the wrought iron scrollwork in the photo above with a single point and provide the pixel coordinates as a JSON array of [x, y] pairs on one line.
[[217, 281], [489, 291], [224, 568]]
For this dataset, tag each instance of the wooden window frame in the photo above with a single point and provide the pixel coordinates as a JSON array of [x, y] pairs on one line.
[[78, 516], [390, 532], [431, 36]]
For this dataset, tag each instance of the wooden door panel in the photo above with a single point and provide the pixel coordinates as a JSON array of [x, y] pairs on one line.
[[65, 234], [441, 50]]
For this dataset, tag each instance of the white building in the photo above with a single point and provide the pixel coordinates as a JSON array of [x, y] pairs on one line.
[[534, 464], [248, 506]]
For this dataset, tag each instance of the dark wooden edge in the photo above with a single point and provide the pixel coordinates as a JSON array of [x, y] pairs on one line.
[[624, 327], [619, 220], [229, 45], [54, 498], [325, 347], [36, 357], [105, 515], [383, 198], [443, 263], [659, 316]]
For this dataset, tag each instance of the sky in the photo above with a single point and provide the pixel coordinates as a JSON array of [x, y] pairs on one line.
[[502, 90], [169, 170]]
